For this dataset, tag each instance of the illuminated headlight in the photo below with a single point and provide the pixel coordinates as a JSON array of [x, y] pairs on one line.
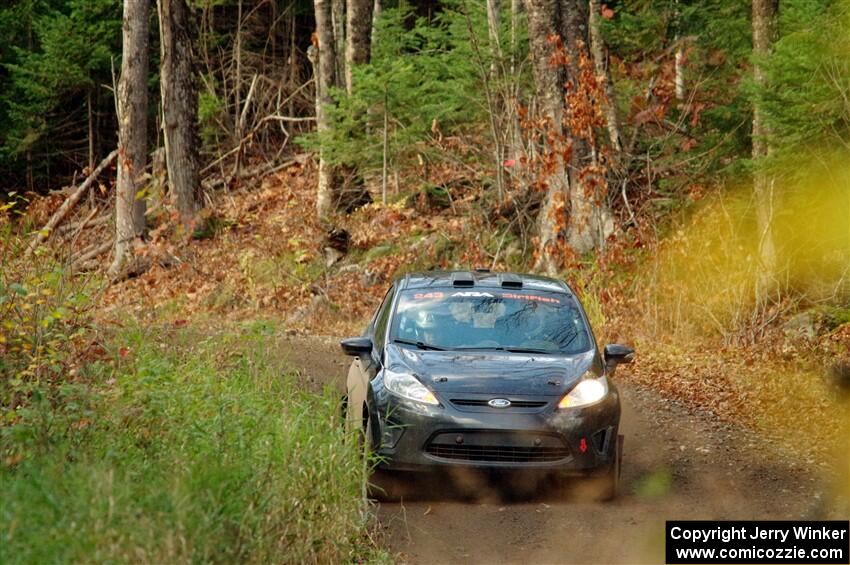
[[585, 392], [407, 386]]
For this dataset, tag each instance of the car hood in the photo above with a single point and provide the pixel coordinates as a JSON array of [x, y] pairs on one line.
[[493, 372]]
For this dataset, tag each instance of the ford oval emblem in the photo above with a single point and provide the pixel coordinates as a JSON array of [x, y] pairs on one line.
[[499, 403]]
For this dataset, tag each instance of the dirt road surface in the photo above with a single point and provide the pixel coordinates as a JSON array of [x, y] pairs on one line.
[[678, 464]]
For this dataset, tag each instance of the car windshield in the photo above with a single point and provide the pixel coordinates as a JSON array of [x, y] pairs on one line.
[[515, 320]]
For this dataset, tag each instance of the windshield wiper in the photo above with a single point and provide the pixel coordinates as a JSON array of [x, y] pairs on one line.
[[526, 350], [419, 344], [509, 349]]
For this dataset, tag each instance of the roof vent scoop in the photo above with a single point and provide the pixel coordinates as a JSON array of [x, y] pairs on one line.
[[510, 281], [463, 279]]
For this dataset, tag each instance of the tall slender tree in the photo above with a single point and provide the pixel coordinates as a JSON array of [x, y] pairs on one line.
[[600, 63], [338, 19], [132, 131], [494, 24], [358, 38], [325, 75], [179, 107], [764, 35]]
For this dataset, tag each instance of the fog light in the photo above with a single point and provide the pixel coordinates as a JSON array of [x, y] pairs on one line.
[[390, 435]]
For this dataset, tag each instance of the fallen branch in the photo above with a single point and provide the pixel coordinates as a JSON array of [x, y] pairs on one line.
[[69, 203], [266, 169], [67, 228], [91, 252], [77, 233]]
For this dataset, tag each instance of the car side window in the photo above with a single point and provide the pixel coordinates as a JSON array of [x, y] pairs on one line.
[[381, 319]]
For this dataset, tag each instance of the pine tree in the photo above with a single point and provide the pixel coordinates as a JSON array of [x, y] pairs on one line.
[[55, 55]]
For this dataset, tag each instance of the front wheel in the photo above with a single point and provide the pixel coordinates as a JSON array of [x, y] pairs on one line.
[[609, 483], [386, 486]]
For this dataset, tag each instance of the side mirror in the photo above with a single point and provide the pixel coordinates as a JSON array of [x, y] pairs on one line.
[[616, 354], [357, 346]]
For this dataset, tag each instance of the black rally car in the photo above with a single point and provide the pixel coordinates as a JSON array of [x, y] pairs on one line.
[[486, 370]]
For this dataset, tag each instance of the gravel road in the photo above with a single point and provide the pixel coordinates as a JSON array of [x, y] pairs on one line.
[[678, 464]]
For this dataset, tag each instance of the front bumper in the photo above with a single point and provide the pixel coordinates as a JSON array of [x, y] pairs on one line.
[[415, 437]]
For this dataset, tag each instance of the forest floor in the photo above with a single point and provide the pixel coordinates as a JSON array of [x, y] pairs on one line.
[[679, 463]]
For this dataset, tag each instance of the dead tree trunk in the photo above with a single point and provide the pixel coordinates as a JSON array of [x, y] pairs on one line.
[[325, 73], [132, 131], [358, 40], [179, 108], [764, 35]]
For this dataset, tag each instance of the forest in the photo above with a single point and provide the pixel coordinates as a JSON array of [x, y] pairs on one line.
[[197, 196]]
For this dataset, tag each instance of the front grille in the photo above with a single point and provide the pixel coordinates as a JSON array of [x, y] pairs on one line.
[[498, 447], [514, 403], [498, 453]]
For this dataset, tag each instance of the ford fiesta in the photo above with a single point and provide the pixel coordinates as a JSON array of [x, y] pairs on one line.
[[486, 370]]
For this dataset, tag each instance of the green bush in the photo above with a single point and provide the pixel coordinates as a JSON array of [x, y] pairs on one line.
[[44, 317], [184, 447]]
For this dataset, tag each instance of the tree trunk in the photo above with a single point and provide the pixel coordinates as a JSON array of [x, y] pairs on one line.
[[679, 68], [338, 19], [179, 108], [376, 13], [764, 35], [600, 63], [517, 149], [358, 40], [132, 131], [325, 72], [543, 22], [494, 24], [589, 219]]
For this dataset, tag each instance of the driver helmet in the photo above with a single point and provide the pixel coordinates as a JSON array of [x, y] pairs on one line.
[[426, 320]]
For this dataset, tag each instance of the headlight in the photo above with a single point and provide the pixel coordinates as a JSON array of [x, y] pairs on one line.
[[585, 392], [408, 386]]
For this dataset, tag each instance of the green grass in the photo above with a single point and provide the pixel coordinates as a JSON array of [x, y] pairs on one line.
[[189, 447]]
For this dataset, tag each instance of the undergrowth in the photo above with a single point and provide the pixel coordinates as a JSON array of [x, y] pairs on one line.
[[176, 446]]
